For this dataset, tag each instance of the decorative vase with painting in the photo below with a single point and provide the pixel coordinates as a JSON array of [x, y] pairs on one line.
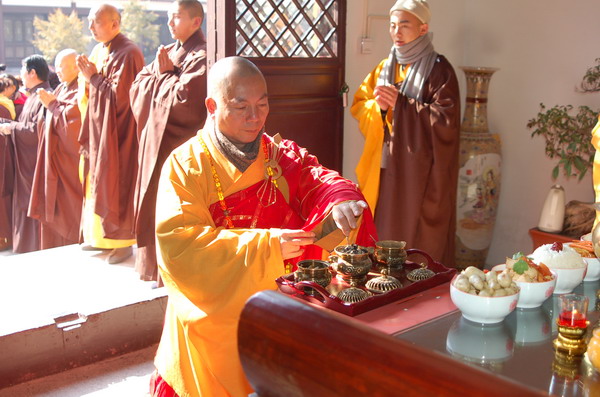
[[479, 174]]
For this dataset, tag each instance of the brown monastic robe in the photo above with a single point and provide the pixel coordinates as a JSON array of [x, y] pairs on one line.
[[56, 194], [417, 190], [24, 138], [108, 138], [6, 184], [169, 109]]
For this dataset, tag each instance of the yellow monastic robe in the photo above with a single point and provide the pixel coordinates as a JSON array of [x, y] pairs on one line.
[[9, 105], [366, 110], [93, 233], [207, 285], [596, 166]]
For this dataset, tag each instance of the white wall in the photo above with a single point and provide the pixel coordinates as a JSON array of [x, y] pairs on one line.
[[542, 47]]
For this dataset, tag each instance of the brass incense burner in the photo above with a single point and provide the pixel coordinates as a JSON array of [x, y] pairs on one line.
[[351, 262], [313, 270], [383, 283], [390, 253], [353, 294]]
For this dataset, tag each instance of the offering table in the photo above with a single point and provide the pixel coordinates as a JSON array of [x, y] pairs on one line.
[[292, 348]]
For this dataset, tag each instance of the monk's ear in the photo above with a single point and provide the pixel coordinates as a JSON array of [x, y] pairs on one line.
[[197, 23], [211, 105], [424, 29]]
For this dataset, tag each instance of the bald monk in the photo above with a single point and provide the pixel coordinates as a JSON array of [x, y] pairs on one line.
[[236, 208], [56, 194], [7, 111], [24, 138], [167, 101], [108, 135]]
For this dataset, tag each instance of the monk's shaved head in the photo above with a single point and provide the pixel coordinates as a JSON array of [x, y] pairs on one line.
[[65, 65], [193, 7], [104, 22], [110, 11], [68, 52], [226, 72]]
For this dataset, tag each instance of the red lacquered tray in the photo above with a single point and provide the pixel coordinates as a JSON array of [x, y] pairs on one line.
[[326, 297]]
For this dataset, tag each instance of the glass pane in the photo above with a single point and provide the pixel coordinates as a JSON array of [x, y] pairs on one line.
[[8, 30], [18, 30], [287, 28]]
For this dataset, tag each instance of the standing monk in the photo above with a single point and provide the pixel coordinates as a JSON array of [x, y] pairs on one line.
[[408, 109], [56, 194], [167, 101], [24, 137], [108, 137]]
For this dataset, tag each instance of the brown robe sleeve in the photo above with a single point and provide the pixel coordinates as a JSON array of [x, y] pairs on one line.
[[417, 196]]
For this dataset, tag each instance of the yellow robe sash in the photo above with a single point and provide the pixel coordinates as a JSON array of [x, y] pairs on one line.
[[366, 110]]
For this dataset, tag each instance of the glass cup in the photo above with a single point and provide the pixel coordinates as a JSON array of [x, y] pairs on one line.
[[573, 310]]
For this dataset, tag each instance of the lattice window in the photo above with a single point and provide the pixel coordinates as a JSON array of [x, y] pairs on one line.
[[287, 28]]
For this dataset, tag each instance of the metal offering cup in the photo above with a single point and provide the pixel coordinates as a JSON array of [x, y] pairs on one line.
[[313, 270], [390, 253]]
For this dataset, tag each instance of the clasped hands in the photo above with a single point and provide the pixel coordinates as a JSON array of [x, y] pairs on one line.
[[5, 129], [386, 96], [344, 214], [86, 67], [46, 97]]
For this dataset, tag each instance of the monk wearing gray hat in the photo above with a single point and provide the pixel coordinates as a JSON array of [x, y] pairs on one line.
[[408, 110]]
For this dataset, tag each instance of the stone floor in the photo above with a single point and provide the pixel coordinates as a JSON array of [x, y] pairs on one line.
[[37, 287]]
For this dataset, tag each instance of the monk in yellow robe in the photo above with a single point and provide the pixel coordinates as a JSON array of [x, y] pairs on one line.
[[408, 109], [235, 207]]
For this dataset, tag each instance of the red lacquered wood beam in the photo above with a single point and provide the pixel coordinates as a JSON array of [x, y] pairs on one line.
[[289, 348]]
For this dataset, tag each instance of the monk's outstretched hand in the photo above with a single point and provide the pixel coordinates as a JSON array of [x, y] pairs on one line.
[[345, 214], [292, 242]]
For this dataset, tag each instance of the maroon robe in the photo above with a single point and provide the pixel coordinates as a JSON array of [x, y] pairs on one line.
[[6, 184], [108, 138], [417, 190], [56, 195], [169, 109], [24, 138]]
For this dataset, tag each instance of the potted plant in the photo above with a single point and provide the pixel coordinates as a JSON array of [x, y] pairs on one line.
[[568, 135]]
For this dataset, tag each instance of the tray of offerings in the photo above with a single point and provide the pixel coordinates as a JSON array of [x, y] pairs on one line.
[[412, 276]]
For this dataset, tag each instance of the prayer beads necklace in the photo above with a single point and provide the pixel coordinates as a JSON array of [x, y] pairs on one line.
[[273, 171]]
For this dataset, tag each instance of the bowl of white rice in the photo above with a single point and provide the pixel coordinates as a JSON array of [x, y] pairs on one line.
[[569, 266]]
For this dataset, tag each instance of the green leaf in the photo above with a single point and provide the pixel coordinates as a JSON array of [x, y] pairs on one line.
[[520, 266], [518, 255], [555, 172]]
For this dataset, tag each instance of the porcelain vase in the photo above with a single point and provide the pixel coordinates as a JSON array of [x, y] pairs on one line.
[[479, 174]]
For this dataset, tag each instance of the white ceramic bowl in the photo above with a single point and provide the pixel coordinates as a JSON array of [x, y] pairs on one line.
[[593, 269], [483, 309], [568, 278], [532, 294]]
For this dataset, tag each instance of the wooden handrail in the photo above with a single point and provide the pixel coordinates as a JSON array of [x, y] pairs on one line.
[[290, 348]]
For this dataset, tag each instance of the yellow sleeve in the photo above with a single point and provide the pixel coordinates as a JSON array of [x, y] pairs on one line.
[[366, 111], [217, 269]]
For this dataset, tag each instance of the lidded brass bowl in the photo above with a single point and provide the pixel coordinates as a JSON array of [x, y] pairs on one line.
[[420, 274], [390, 253], [353, 294], [383, 283], [352, 262]]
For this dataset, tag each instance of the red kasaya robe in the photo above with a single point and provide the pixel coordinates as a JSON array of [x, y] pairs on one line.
[[24, 138], [169, 109], [108, 138], [210, 271], [56, 195]]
